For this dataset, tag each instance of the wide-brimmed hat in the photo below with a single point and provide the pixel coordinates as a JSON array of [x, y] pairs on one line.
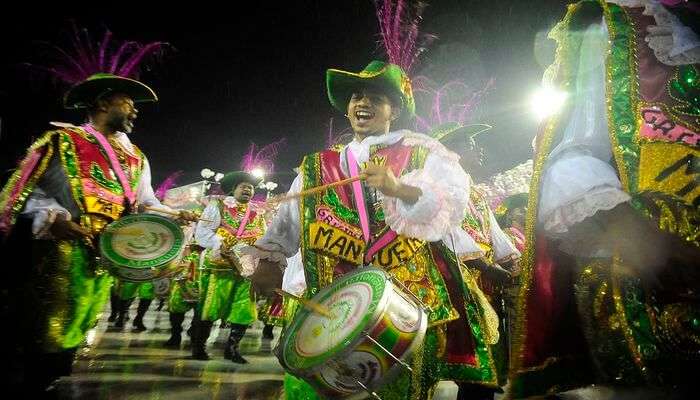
[[85, 93], [232, 179], [377, 74]]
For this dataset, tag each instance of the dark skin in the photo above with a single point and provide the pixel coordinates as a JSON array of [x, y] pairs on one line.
[[370, 113], [111, 114], [243, 192]]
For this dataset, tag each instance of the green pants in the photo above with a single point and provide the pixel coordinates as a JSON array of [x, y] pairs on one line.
[[228, 297]]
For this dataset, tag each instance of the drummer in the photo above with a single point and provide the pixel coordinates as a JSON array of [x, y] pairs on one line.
[[404, 216], [227, 224], [73, 181]]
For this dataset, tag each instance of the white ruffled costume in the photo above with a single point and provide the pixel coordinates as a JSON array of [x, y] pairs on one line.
[[578, 179], [436, 215]]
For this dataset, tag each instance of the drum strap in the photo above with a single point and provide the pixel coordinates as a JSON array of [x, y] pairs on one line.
[[113, 161], [244, 222], [358, 194], [379, 244]]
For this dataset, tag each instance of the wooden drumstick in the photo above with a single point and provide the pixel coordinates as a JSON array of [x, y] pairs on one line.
[[166, 211], [311, 305], [126, 231], [316, 189]]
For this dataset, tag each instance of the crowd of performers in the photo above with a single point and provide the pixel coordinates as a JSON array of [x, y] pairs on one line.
[[591, 278]]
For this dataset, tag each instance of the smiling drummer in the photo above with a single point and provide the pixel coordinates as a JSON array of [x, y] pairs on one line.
[[404, 217]]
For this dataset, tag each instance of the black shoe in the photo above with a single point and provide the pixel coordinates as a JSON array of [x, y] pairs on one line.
[[141, 311], [237, 358], [469, 391], [139, 326], [200, 355], [173, 342], [234, 339], [231, 353], [267, 332]]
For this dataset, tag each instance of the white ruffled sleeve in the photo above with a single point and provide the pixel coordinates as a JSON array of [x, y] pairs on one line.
[[146, 196], [578, 180], [205, 231], [503, 247], [445, 192], [281, 240], [293, 280], [43, 210]]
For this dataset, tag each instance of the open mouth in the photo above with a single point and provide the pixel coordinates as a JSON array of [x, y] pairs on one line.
[[363, 115]]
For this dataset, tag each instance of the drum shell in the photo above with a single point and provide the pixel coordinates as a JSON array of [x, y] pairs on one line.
[[331, 378], [165, 266]]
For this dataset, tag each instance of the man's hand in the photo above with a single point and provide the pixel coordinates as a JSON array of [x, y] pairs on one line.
[[266, 278], [382, 178], [187, 216], [493, 272], [63, 229]]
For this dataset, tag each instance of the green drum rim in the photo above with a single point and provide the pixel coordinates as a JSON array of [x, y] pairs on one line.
[[375, 278], [121, 261]]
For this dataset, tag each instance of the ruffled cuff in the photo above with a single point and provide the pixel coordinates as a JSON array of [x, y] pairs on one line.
[[426, 219], [251, 255], [601, 198], [672, 42], [294, 280], [44, 218]]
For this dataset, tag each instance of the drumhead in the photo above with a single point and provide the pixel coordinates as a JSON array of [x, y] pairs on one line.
[[141, 241], [356, 300]]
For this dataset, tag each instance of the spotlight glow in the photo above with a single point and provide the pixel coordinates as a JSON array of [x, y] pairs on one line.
[[547, 101], [258, 173]]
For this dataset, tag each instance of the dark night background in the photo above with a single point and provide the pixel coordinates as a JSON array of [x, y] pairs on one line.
[[254, 71]]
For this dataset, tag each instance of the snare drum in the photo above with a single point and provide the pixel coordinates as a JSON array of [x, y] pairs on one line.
[[374, 330], [142, 247]]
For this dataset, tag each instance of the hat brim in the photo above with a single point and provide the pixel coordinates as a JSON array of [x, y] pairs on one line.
[[231, 180], [84, 94], [340, 86], [472, 130]]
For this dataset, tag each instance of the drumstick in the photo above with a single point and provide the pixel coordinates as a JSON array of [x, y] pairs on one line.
[[317, 189], [311, 305], [166, 211], [126, 231]]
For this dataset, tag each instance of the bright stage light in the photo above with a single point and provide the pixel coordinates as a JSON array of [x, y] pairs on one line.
[[547, 101], [258, 173]]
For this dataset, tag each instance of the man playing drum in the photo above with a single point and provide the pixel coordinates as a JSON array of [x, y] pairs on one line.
[[227, 225], [403, 215], [73, 181]]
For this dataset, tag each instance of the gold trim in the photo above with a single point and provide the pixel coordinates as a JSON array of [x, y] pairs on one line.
[[617, 269], [634, 90]]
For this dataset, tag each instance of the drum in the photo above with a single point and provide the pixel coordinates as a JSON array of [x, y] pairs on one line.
[[373, 330], [142, 247]]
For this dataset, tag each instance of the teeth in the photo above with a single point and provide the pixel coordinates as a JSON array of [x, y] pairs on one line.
[[363, 114]]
